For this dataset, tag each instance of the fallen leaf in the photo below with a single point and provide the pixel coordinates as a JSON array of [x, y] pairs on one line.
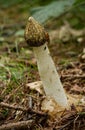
[[37, 86]]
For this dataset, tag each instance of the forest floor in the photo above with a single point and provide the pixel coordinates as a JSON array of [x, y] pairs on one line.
[[20, 105]]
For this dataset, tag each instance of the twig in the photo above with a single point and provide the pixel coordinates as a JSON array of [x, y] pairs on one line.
[[64, 126], [2, 104], [73, 76], [29, 110], [17, 125], [12, 93]]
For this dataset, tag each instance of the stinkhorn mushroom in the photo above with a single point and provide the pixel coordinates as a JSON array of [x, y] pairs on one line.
[[37, 37]]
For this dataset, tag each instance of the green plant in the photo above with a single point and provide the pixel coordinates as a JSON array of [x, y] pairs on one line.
[[55, 9]]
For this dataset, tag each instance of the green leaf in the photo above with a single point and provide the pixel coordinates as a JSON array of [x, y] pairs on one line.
[[54, 9], [20, 33], [7, 3], [79, 2]]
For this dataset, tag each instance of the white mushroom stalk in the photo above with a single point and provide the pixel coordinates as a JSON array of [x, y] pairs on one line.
[[38, 38]]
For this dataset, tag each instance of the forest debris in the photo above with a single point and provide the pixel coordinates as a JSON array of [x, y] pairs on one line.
[[71, 120], [2, 104], [82, 56], [8, 73], [63, 119], [73, 76], [83, 100], [37, 86], [77, 89], [67, 33], [17, 125], [50, 106], [29, 110]]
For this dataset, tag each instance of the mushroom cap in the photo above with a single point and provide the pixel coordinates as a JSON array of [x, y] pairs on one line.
[[35, 34]]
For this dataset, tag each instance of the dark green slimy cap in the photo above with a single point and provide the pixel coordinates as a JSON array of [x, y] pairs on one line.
[[35, 34]]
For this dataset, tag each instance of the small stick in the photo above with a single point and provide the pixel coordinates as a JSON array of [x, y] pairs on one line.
[[29, 110], [17, 125], [73, 76]]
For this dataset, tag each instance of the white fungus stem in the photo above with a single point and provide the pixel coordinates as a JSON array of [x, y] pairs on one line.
[[49, 76]]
